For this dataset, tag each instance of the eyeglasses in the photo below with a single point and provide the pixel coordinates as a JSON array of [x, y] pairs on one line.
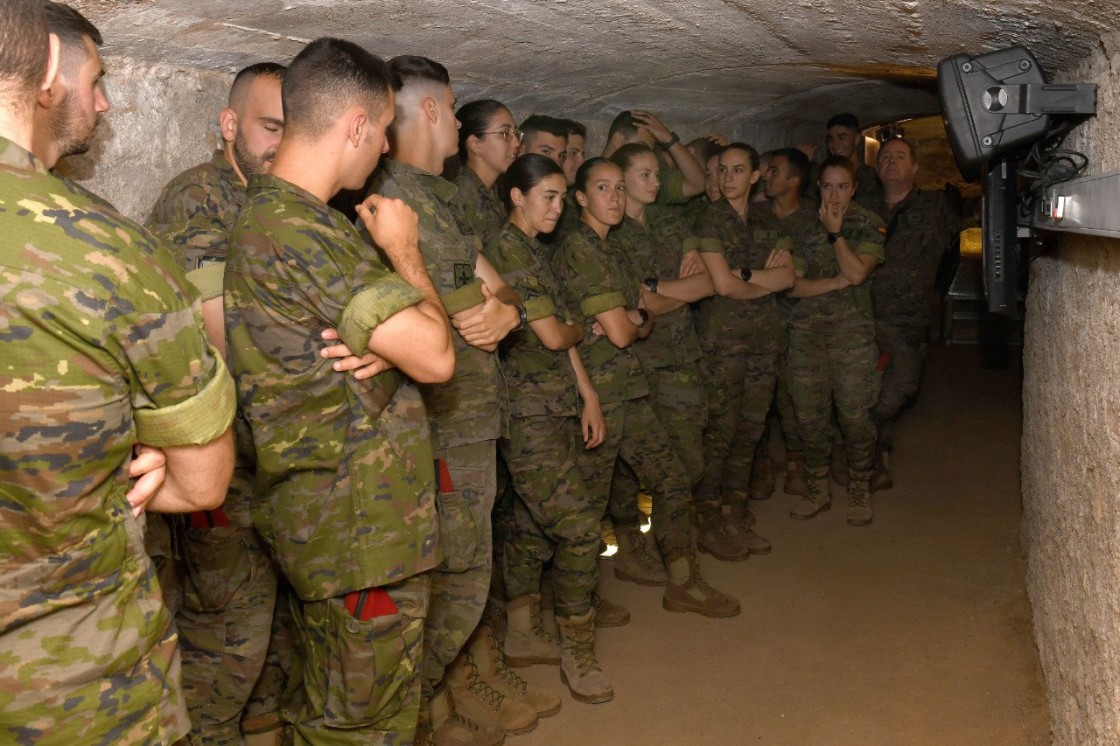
[[507, 135]]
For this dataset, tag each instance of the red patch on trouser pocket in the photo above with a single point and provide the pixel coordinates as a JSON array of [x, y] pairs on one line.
[[208, 518], [884, 361], [443, 477], [369, 603]]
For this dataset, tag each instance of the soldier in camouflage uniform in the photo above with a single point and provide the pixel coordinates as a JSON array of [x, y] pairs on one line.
[[466, 413], [743, 337], [680, 175], [920, 227], [229, 582], [344, 491], [653, 243], [791, 217], [595, 281], [832, 354], [554, 516], [845, 139], [488, 142], [110, 354]]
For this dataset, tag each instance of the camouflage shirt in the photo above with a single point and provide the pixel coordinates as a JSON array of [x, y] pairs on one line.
[[468, 408], [102, 348], [194, 214], [594, 281], [655, 250], [796, 228], [816, 257], [196, 211], [477, 208], [729, 325], [541, 380], [919, 229], [344, 490]]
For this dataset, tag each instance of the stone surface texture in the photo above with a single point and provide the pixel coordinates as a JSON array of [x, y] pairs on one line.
[[1071, 448], [767, 72]]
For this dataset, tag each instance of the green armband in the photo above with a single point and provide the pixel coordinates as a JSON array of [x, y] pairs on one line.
[[710, 245], [539, 308], [209, 280], [460, 299], [598, 304], [195, 421], [371, 307]]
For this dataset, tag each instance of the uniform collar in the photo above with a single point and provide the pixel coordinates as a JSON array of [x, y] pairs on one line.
[[268, 181], [14, 155], [225, 168], [437, 185]]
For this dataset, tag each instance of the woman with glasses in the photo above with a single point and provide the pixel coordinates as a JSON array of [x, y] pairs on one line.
[[488, 142], [598, 281]]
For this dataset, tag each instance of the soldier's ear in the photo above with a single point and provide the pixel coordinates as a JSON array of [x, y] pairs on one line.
[[356, 124], [516, 197], [756, 176], [53, 61], [431, 109], [227, 121], [474, 144]]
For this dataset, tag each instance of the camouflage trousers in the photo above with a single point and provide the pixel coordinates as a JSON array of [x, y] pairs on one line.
[[834, 364], [553, 516], [461, 584], [906, 346], [680, 402], [101, 664], [783, 402], [636, 436], [225, 627], [360, 679], [740, 392]]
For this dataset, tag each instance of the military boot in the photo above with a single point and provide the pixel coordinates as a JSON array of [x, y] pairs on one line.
[[882, 479], [859, 498], [444, 725], [579, 668], [482, 703], [527, 642], [634, 562], [487, 655], [262, 730], [818, 499], [762, 476], [795, 483], [839, 464], [740, 516], [718, 536], [687, 591], [607, 613]]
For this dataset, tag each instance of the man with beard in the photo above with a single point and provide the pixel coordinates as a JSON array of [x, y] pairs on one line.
[[235, 650]]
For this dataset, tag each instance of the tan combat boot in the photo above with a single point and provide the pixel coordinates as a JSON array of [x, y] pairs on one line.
[[687, 591], [795, 483], [527, 642], [446, 726], [762, 475], [740, 516], [882, 479], [634, 562], [262, 730], [483, 647], [859, 498], [718, 536], [608, 613], [579, 668], [817, 500], [482, 703]]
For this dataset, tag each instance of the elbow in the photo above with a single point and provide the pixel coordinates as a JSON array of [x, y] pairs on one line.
[[439, 368], [722, 285], [623, 339]]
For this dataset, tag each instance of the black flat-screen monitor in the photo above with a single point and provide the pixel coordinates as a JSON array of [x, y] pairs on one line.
[[1001, 242]]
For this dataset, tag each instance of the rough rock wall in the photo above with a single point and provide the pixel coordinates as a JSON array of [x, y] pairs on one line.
[[1071, 450], [161, 121]]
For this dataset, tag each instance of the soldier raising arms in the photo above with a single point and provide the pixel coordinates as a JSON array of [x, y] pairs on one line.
[[103, 324]]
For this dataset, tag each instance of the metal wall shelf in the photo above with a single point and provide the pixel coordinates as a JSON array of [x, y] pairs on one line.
[[1090, 204]]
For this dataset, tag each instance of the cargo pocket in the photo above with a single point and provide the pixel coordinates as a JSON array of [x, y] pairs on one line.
[[459, 528], [372, 666]]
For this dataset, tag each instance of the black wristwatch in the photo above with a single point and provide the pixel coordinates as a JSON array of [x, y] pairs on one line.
[[745, 274], [672, 141], [833, 237], [651, 284], [644, 314], [523, 314]]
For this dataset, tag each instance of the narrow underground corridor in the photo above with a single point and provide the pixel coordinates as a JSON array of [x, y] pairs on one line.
[[915, 630]]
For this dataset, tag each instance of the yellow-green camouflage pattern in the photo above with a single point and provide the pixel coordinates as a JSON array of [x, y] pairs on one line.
[[477, 207]]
